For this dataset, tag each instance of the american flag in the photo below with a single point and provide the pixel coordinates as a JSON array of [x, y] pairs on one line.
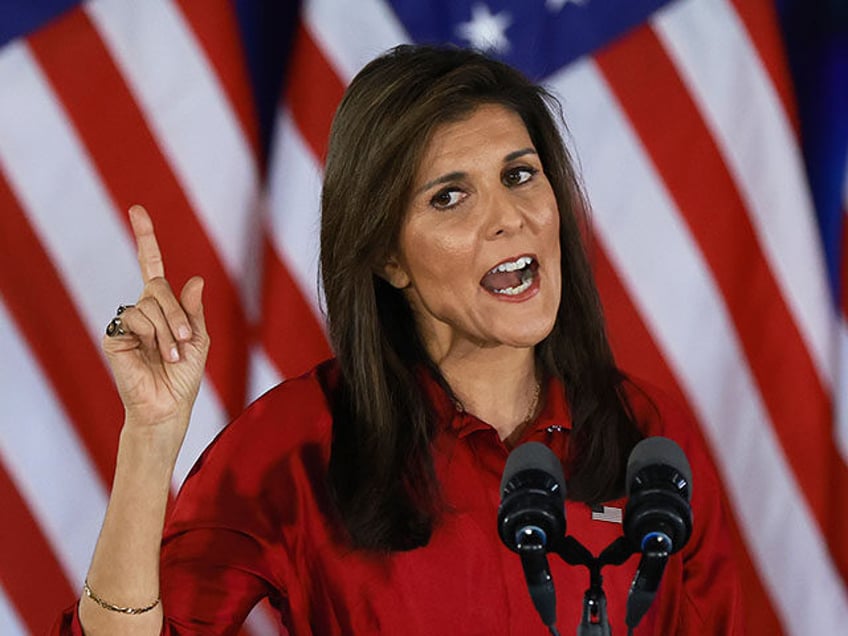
[[718, 250]]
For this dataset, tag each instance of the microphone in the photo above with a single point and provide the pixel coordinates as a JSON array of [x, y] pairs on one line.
[[531, 518], [658, 515]]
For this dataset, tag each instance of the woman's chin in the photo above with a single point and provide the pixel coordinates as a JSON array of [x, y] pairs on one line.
[[528, 336]]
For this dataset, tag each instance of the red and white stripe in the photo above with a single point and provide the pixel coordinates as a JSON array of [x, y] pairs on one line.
[[704, 246], [696, 182], [664, 263], [109, 105], [842, 378]]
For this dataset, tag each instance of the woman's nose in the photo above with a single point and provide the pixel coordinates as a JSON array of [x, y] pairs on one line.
[[506, 215]]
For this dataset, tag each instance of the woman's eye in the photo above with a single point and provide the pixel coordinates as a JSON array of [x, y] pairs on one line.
[[447, 199], [517, 176]]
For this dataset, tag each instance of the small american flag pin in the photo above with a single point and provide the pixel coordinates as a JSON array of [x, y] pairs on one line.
[[606, 513]]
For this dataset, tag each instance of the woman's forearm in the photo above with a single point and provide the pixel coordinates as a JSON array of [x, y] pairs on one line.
[[125, 567]]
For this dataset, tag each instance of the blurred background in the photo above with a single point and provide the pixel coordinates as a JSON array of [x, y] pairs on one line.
[[711, 136]]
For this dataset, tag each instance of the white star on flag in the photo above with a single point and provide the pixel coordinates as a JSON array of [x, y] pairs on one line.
[[557, 5], [485, 31]]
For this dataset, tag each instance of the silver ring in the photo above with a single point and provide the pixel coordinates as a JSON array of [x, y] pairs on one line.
[[116, 325], [115, 328]]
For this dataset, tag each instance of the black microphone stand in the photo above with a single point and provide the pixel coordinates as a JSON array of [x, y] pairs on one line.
[[594, 621]]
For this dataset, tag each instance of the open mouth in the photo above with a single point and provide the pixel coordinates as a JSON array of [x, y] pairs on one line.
[[511, 278]]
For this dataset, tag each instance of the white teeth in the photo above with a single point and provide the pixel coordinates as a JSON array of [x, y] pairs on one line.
[[524, 261], [526, 281], [514, 291]]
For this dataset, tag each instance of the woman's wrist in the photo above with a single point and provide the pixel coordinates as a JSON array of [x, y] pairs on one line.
[[153, 443]]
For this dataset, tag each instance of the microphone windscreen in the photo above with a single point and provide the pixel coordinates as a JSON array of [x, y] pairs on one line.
[[654, 451], [533, 456]]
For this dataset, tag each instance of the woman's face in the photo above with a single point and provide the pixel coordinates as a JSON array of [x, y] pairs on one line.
[[478, 255]]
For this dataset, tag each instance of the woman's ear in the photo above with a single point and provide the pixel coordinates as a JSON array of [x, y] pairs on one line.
[[394, 273]]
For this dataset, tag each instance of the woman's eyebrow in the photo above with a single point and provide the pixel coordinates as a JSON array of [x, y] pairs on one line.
[[515, 154], [456, 176], [445, 178]]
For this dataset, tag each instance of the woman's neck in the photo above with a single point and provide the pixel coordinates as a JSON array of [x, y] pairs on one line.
[[500, 386]]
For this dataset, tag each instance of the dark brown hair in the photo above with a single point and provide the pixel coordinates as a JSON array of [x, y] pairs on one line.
[[381, 474]]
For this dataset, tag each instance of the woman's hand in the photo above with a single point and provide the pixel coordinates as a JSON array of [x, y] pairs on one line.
[[158, 363]]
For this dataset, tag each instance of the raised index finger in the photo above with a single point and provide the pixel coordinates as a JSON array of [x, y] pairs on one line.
[[149, 256]]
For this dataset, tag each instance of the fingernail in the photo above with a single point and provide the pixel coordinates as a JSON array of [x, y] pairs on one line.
[[184, 333], [175, 354]]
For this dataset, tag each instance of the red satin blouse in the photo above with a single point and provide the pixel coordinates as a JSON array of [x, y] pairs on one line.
[[252, 521]]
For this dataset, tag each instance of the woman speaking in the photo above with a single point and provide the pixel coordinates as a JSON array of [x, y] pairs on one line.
[[362, 497]]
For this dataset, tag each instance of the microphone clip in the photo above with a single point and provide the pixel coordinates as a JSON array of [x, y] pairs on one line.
[[594, 621]]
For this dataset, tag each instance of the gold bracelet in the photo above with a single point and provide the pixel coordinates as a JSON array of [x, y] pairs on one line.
[[116, 608]]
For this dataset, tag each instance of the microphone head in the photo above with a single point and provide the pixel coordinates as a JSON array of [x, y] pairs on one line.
[[658, 515], [658, 451], [533, 456], [531, 516]]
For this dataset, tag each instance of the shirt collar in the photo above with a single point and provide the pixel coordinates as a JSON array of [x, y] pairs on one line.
[[554, 415]]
